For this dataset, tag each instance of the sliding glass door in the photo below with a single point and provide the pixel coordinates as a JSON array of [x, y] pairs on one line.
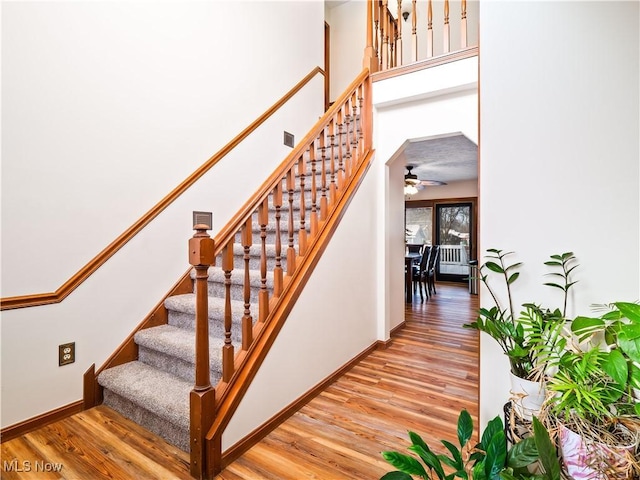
[[450, 224], [453, 234]]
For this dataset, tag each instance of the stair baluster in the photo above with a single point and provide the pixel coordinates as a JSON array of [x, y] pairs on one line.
[[332, 139], [339, 149], [302, 233], [359, 123], [354, 129], [227, 349], [202, 397], [263, 295], [323, 198], [446, 47], [277, 271], [463, 24], [414, 32], [347, 141], [247, 320], [291, 251], [314, 205]]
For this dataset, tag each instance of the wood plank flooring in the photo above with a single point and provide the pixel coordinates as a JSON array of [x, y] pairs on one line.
[[424, 378]]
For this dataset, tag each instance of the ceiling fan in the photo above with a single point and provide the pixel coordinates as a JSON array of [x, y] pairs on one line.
[[412, 184]]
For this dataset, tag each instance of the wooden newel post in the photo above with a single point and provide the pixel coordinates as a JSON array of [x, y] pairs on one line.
[[202, 398], [370, 61]]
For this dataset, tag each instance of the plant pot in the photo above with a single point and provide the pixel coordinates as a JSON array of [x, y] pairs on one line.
[[636, 394], [582, 456], [527, 397]]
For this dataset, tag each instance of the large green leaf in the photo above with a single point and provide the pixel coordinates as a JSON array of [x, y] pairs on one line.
[[496, 455], [477, 473], [629, 310], [494, 267], [615, 365], [405, 463], [523, 453], [630, 346], [396, 475], [458, 462], [465, 428], [417, 440], [582, 327], [546, 451], [634, 375], [430, 460], [631, 330], [490, 430]]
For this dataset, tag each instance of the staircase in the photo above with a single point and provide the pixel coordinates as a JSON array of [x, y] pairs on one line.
[[154, 390], [304, 194]]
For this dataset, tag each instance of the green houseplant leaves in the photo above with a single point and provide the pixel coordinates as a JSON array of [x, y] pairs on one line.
[[491, 459]]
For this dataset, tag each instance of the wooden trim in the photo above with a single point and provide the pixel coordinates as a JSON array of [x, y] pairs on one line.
[[384, 344], [397, 328], [26, 426], [89, 390], [235, 451], [424, 64], [232, 396], [37, 299]]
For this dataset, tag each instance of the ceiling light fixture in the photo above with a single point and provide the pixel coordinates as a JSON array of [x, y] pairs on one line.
[[410, 189], [411, 178], [411, 182]]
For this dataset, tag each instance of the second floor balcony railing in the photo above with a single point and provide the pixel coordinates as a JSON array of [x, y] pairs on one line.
[[402, 32]]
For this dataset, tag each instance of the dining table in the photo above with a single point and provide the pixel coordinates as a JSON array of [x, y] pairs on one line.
[[409, 260]]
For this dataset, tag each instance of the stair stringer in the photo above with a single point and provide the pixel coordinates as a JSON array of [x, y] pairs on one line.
[[229, 396]]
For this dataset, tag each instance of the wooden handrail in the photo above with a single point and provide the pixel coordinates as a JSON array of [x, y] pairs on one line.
[[341, 142], [227, 232], [37, 299]]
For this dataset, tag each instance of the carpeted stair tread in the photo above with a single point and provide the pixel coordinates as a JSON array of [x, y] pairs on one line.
[[186, 303], [175, 341], [139, 383]]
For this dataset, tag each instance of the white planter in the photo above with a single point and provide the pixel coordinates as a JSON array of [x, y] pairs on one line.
[[636, 394], [527, 397], [580, 456]]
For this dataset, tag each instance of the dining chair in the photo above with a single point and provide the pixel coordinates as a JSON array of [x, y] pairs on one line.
[[431, 269], [420, 273]]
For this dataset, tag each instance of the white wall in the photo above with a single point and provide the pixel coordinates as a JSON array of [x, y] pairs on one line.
[[348, 27], [431, 102], [559, 154], [332, 322], [107, 106]]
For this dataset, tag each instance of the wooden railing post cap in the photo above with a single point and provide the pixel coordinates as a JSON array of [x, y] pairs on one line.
[[201, 247]]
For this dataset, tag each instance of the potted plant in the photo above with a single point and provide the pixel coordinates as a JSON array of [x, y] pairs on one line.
[[491, 459], [532, 340], [597, 435], [593, 404], [619, 330]]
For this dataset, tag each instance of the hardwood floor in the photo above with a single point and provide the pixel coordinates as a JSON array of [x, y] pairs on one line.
[[421, 382]]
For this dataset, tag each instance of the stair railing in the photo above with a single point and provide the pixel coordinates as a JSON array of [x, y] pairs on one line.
[[385, 37], [319, 171]]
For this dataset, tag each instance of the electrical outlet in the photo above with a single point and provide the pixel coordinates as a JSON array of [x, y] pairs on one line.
[[66, 353]]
